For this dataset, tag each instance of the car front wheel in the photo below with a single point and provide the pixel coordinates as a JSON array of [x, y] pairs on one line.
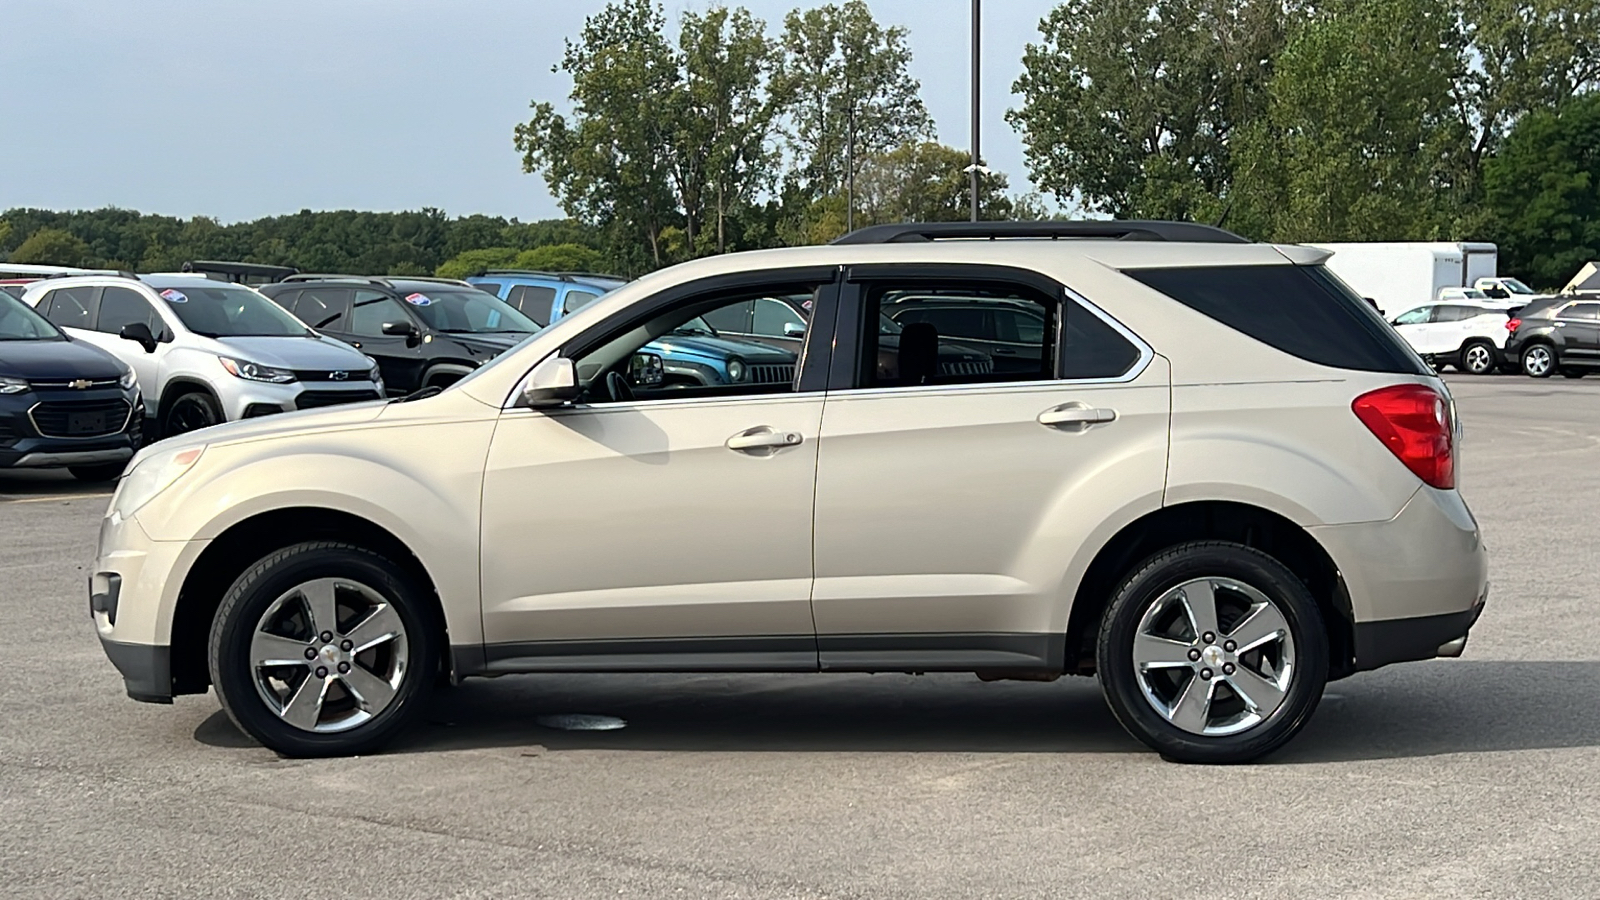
[[323, 649], [1212, 652]]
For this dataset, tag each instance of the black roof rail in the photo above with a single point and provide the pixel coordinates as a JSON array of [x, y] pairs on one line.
[[1114, 229], [238, 271], [330, 276], [563, 276], [432, 278], [591, 275]]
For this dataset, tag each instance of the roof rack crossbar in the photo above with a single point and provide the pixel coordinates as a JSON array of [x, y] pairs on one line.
[[1113, 229], [331, 276], [564, 276]]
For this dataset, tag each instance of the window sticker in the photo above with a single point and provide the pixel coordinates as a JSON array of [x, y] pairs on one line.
[[418, 299], [172, 296]]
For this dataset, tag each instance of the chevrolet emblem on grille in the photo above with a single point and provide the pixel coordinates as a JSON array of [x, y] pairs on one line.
[[80, 384], [338, 376]]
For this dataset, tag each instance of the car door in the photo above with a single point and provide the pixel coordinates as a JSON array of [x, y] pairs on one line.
[[121, 306], [1415, 325], [74, 309], [949, 506], [669, 530], [1580, 332], [401, 357]]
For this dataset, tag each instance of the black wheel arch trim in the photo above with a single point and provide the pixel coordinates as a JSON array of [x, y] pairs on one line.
[[1388, 641]]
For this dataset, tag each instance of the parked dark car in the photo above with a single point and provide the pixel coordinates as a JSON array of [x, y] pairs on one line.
[[424, 332], [1556, 334], [64, 403]]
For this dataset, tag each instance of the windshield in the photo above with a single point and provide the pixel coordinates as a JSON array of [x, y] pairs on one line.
[[1515, 286], [221, 310], [457, 310], [696, 325], [887, 325], [1474, 294], [18, 322]]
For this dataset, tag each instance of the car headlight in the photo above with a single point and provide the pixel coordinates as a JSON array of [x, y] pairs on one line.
[[250, 371], [128, 380], [149, 476], [736, 370], [9, 385]]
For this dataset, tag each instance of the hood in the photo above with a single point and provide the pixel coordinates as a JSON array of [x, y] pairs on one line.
[[329, 417], [297, 352], [720, 348], [57, 360]]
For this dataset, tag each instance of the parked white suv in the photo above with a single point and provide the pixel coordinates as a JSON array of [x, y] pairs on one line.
[[1470, 336], [207, 351], [1226, 482]]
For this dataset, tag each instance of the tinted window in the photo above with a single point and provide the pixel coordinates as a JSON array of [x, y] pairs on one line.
[[458, 309], [960, 334], [1414, 316], [121, 306], [1582, 311], [371, 310], [324, 308], [1093, 349], [773, 316], [489, 286], [14, 290], [533, 301], [1301, 310], [733, 318], [73, 307], [951, 321], [214, 309], [576, 300]]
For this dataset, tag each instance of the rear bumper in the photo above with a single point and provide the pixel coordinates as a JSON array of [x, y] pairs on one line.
[[1407, 640]]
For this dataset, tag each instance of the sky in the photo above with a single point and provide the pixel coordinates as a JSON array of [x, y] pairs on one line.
[[238, 109]]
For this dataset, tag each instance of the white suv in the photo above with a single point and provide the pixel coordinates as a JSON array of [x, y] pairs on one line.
[[207, 351], [1225, 482], [1470, 336]]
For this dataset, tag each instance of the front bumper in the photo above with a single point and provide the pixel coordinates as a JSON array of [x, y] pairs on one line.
[[133, 594], [146, 669], [24, 446], [250, 400]]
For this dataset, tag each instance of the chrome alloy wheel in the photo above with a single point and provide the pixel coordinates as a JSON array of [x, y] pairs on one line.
[[1538, 361], [1479, 360], [328, 655], [1214, 656]]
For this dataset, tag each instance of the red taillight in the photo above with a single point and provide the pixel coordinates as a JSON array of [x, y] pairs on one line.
[[1513, 324], [1413, 421]]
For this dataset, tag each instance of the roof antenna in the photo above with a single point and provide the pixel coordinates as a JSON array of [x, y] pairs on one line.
[[1224, 218]]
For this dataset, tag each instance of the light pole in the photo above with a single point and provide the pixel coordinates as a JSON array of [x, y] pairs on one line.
[[977, 49]]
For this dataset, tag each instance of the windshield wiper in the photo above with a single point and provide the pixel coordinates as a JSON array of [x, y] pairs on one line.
[[419, 394]]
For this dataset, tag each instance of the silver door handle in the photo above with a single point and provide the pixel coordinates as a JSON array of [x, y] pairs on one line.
[[1076, 414], [1561, 324], [763, 438]]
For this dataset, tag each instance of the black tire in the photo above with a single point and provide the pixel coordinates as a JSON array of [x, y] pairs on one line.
[[98, 474], [190, 412], [254, 594], [1539, 360], [1477, 358], [1573, 372], [1147, 584]]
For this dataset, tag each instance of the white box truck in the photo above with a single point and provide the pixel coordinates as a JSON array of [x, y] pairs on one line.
[[1405, 275]]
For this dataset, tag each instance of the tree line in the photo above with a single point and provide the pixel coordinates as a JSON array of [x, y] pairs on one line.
[[1287, 120]]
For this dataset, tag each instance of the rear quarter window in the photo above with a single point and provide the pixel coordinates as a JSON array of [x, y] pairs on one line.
[[1301, 310]]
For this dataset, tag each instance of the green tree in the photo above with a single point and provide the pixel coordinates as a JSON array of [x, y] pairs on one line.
[[560, 258], [723, 155], [53, 247], [1130, 106], [610, 165], [843, 80], [469, 261], [926, 182], [1362, 137], [1543, 189]]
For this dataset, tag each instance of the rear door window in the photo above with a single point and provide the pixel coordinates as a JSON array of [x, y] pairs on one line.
[[532, 301], [120, 306], [74, 307], [324, 308], [1590, 311], [1300, 310], [576, 300], [489, 286]]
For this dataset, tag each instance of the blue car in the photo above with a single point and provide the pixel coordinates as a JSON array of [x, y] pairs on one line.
[[694, 354], [64, 403]]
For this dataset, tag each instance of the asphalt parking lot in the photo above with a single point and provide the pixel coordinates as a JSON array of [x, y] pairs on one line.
[[1454, 778]]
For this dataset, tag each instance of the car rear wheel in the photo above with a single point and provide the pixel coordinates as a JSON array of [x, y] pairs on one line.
[[1538, 361], [1477, 358], [323, 649], [95, 474], [1212, 652], [190, 412]]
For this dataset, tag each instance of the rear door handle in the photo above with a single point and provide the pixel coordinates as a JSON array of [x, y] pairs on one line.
[[1076, 414], [763, 438], [1004, 351]]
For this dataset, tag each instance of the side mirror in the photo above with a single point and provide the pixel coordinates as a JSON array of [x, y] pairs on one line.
[[399, 329], [139, 333], [793, 329], [553, 382], [646, 370]]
